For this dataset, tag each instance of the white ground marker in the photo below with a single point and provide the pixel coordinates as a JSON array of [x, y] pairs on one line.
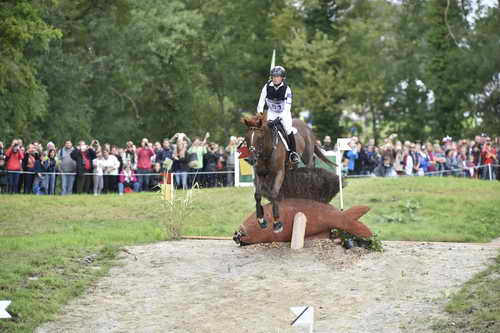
[[3, 310], [305, 317]]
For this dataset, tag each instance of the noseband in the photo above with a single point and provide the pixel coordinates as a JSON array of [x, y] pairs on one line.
[[251, 146]]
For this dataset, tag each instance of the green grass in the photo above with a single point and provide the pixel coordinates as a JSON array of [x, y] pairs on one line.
[[44, 239], [476, 307]]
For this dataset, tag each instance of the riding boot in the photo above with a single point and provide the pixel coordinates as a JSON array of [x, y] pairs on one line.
[[294, 157]]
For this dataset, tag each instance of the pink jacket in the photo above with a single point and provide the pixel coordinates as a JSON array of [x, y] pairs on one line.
[[123, 177]]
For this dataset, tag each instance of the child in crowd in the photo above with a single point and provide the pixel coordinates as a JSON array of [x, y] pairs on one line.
[[128, 179], [98, 173]]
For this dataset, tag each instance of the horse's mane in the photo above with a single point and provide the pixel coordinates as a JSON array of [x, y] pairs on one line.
[[253, 121]]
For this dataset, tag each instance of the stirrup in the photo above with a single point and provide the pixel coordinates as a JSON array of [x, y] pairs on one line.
[[294, 157]]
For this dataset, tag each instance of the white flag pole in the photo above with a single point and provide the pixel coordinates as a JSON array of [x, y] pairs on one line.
[[273, 60]]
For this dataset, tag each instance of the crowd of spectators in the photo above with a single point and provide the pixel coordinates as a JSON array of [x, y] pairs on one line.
[[95, 168], [478, 158]]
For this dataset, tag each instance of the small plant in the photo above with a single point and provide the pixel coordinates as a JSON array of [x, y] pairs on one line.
[[371, 243], [406, 213], [178, 209]]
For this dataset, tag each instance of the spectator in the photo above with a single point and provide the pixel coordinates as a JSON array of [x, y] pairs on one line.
[[164, 153], [196, 153], [83, 156], [180, 166], [210, 162], [2, 153], [116, 152], [489, 157], [15, 156], [129, 156], [38, 182], [110, 172], [352, 156], [144, 164], [385, 168], [157, 178], [128, 179], [221, 166], [98, 165], [327, 144], [49, 169], [231, 149], [67, 167], [29, 168], [451, 164], [3, 175]]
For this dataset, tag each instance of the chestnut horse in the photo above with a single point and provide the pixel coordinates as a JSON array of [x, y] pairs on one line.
[[269, 158]]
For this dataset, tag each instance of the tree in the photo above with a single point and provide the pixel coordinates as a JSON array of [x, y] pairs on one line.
[[22, 96]]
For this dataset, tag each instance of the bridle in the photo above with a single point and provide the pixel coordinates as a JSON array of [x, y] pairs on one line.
[[252, 146]]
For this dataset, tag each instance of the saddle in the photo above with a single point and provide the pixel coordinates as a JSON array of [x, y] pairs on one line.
[[277, 127]]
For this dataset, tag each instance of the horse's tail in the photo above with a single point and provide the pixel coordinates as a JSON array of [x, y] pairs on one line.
[[321, 156]]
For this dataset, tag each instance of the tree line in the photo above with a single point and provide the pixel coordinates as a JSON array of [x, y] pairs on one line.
[[122, 69]]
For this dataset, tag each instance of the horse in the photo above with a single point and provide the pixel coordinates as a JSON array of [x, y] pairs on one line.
[[268, 156]]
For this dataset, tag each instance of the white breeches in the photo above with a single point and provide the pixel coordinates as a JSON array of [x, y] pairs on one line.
[[286, 120]]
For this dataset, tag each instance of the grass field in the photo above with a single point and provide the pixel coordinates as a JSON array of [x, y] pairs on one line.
[[476, 307], [53, 247]]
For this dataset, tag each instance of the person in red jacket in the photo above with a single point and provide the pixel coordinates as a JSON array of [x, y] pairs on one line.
[[144, 164], [14, 157]]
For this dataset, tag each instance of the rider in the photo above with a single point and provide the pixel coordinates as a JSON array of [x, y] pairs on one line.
[[278, 97]]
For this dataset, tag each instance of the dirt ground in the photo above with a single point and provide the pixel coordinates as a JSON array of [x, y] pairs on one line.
[[216, 286]]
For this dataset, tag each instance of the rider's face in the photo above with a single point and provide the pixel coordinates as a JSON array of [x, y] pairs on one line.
[[277, 80]]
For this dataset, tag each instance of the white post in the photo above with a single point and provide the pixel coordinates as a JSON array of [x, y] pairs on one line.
[[339, 173], [298, 231], [237, 169], [489, 169]]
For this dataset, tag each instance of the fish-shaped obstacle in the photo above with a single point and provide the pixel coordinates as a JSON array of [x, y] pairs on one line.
[[321, 219]]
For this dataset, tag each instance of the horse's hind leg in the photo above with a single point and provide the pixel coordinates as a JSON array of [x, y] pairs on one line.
[[259, 210], [278, 182], [277, 225]]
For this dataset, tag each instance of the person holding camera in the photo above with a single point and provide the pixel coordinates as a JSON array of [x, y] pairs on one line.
[[127, 179], [28, 167], [210, 162], [144, 164], [129, 156], [83, 156], [14, 156], [195, 159]]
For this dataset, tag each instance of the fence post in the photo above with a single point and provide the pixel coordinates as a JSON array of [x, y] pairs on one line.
[[489, 170]]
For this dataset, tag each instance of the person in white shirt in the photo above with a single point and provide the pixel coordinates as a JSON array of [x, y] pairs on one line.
[[110, 171], [277, 95], [98, 173]]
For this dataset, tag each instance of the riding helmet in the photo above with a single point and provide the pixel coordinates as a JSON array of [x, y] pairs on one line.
[[278, 71]]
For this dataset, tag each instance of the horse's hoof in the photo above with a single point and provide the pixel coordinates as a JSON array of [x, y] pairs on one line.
[[262, 223], [277, 227]]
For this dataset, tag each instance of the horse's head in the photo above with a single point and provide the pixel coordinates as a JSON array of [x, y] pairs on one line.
[[254, 136]]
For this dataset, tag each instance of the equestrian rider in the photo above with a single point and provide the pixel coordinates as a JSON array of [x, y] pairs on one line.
[[278, 97]]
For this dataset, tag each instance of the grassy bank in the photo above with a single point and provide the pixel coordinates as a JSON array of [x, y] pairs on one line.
[[53, 247], [476, 307]]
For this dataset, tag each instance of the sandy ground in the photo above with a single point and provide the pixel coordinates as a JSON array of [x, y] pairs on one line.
[[216, 286]]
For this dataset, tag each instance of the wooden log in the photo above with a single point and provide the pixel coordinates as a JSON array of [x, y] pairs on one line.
[[299, 231], [206, 237]]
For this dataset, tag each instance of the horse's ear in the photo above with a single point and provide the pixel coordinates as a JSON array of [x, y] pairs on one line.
[[244, 120]]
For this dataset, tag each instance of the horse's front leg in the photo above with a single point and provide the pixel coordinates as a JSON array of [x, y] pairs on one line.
[[278, 182], [259, 210]]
